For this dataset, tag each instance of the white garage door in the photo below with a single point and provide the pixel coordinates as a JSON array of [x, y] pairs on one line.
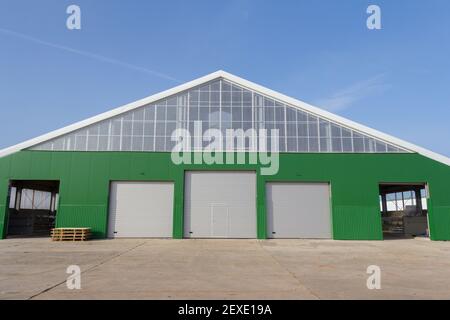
[[141, 210], [220, 205], [298, 210]]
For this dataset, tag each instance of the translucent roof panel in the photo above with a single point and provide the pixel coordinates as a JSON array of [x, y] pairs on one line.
[[217, 105]]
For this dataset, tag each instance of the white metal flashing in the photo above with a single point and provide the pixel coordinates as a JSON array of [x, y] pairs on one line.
[[239, 81]]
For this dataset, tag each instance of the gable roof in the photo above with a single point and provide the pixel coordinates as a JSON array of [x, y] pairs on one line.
[[244, 83]]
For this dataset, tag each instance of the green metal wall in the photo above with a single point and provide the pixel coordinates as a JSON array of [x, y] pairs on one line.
[[85, 176]]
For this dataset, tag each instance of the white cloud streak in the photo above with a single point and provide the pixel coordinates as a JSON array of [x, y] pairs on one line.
[[89, 55], [347, 97]]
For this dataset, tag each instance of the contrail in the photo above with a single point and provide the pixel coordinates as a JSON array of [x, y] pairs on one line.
[[89, 55]]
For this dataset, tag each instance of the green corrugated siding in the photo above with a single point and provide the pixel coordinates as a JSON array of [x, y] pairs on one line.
[[3, 221], [79, 216], [357, 223], [439, 221], [3, 198], [85, 177]]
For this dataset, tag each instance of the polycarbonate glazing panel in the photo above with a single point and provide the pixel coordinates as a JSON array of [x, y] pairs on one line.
[[35, 199], [219, 105]]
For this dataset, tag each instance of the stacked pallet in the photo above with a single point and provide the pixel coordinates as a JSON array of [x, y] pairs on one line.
[[71, 234]]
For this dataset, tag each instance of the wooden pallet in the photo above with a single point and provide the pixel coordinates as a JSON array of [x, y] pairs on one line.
[[70, 234]]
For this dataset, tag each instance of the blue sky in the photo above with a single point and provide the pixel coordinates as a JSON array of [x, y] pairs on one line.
[[395, 80]]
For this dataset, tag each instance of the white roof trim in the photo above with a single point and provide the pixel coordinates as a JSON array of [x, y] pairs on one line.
[[244, 83]]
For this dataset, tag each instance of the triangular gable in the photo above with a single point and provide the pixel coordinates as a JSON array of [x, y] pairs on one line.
[[393, 144]]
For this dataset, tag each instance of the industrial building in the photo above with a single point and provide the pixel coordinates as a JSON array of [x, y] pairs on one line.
[[114, 173]]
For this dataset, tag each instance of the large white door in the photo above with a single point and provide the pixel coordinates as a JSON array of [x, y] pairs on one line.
[[298, 210], [220, 204], [141, 210]]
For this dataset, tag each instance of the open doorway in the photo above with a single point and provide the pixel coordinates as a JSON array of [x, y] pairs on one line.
[[404, 211], [32, 207]]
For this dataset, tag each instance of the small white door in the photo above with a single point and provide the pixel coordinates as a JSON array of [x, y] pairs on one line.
[[298, 210], [220, 204], [141, 210], [220, 221]]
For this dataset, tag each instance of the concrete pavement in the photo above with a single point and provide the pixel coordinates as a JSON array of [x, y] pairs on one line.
[[224, 269]]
